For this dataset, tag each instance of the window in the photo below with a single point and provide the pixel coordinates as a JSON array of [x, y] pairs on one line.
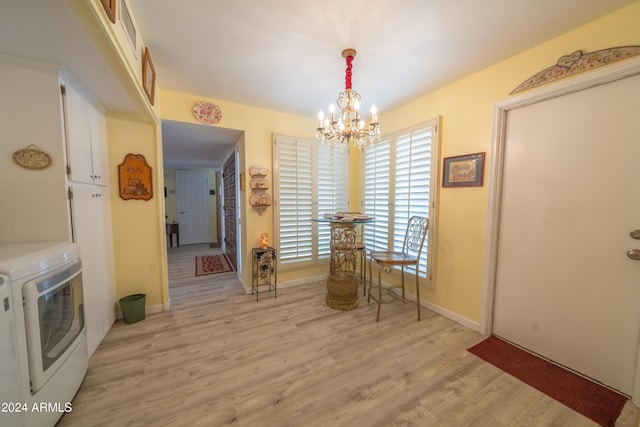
[[309, 179], [399, 182]]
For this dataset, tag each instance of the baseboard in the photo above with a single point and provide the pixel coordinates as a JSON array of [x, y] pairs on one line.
[[443, 311], [149, 309]]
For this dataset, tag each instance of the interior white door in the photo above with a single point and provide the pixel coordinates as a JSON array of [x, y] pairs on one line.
[[192, 188], [565, 287]]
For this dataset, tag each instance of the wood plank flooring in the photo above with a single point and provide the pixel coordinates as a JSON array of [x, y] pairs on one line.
[[220, 358]]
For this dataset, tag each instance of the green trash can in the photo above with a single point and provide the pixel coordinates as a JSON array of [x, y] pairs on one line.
[[132, 307]]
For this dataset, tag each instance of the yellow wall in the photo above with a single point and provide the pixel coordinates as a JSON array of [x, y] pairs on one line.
[[258, 125], [138, 231], [466, 110], [466, 107]]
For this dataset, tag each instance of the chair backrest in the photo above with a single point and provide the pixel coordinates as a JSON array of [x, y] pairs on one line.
[[415, 236]]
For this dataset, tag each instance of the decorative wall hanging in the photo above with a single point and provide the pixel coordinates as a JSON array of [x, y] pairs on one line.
[[463, 171], [207, 113], [577, 63], [110, 9], [148, 75], [260, 200], [32, 157], [134, 178]]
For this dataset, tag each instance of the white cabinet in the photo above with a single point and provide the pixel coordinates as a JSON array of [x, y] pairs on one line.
[[88, 179], [85, 131], [92, 231]]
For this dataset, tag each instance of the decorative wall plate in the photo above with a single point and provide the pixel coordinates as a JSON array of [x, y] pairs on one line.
[[207, 112], [32, 157]]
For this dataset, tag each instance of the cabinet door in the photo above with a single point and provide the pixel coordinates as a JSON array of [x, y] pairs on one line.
[[77, 117], [92, 231], [99, 147]]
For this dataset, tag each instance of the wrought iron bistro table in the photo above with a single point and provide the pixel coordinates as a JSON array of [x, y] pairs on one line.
[[343, 281]]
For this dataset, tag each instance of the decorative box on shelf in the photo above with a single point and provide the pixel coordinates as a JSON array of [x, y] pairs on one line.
[[265, 270]]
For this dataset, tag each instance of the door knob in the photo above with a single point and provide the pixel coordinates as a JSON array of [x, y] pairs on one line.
[[635, 234], [634, 254]]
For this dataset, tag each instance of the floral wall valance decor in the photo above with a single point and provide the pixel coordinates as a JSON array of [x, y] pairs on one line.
[[576, 63]]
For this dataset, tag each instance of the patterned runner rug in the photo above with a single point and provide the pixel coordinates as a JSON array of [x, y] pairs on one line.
[[212, 264]]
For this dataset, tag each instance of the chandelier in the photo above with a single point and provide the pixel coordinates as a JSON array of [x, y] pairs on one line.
[[347, 126]]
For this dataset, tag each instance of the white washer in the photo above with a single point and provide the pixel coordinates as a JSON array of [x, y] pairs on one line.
[[46, 295], [10, 390]]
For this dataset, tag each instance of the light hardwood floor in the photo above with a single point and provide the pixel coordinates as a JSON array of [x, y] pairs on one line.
[[221, 358]]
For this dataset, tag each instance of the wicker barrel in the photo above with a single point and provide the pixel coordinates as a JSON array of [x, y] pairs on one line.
[[342, 291], [133, 308]]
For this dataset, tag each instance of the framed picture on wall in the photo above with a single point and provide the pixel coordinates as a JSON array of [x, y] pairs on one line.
[[148, 75], [110, 9], [135, 178], [463, 171]]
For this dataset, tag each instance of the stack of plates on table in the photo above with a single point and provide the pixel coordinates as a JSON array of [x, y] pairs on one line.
[[361, 217]]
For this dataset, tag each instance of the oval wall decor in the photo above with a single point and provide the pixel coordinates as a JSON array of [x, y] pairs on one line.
[[207, 113], [32, 157]]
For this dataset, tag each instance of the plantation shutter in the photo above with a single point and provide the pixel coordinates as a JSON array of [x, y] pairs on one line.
[[331, 191], [398, 177], [377, 169], [309, 180], [294, 181], [412, 184]]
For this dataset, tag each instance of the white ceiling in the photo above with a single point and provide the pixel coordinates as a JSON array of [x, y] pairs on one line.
[[285, 55]]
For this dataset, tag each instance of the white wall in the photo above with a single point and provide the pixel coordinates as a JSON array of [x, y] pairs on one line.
[[35, 205]]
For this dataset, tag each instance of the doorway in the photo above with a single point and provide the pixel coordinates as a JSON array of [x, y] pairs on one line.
[[563, 204], [193, 146]]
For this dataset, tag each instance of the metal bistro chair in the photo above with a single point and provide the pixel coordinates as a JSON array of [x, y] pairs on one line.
[[409, 256]]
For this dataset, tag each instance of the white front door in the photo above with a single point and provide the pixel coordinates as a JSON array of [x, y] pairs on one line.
[[565, 287], [192, 189]]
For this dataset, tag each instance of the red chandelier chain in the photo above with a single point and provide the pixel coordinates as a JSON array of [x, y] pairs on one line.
[[347, 78]]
